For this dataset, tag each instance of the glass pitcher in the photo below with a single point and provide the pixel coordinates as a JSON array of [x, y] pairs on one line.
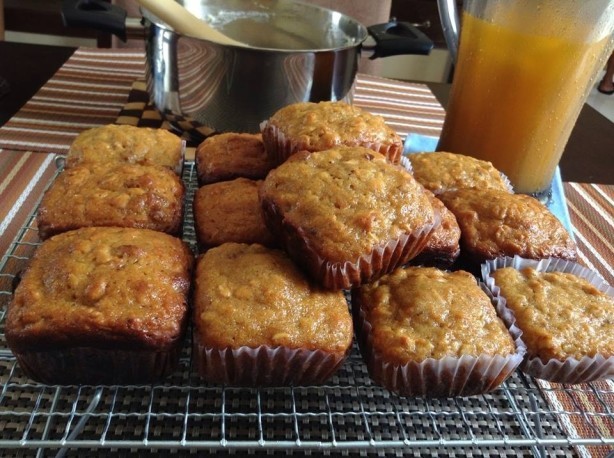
[[523, 71]]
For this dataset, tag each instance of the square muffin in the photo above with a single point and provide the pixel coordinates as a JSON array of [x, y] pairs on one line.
[[101, 305], [427, 332], [115, 143], [123, 195], [347, 215], [230, 211], [308, 126], [259, 321], [441, 171], [231, 155], [564, 311], [497, 223]]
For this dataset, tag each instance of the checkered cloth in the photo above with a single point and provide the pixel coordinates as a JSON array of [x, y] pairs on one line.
[[139, 112]]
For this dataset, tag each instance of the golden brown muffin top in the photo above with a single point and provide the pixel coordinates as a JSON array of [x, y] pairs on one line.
[[129, 195], [123, 143], [249, 295], [560, 314], [497, 223], [231, 155], [348, 200], [229, 211], [441, 171], [323, 125], [101, 286], [421, 312]]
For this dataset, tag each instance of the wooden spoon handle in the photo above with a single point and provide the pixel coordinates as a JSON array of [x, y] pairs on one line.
[[185, 23]]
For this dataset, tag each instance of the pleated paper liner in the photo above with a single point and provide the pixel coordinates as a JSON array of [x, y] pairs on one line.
[[571, 370], [466, 375], [265, 365], [280, 148]]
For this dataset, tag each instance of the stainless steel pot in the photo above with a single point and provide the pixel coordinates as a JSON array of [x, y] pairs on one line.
[[297, 52]]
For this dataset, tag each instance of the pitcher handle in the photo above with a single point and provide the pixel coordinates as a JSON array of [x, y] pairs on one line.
[[448, 15]]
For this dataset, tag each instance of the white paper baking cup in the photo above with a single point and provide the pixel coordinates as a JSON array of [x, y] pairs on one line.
[[96, 366], [279, 148], [450, 376], [508, 183], [264, 365], [406, 164], [571, 370]]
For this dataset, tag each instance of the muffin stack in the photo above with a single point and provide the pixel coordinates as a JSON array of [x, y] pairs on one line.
[[344, 211], [258, 320], [290, 224], [493, 221], [230, 168], [120, 176], [105, 298], [264, 266], [527, 260]]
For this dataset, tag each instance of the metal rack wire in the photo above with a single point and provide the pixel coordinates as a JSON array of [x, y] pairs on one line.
[[523, 417]]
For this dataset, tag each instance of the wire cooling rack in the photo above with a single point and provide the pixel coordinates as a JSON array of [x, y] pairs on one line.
[[348, 415]]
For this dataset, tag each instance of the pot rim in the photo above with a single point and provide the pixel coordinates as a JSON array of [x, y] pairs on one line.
[[354, 41]]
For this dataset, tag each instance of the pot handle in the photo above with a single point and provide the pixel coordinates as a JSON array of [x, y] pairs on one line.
[[396, 38], [95, 14]]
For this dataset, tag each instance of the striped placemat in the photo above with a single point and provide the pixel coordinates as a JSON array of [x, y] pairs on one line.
[[591, 208], [25, 176], [406, 107], [89, 90], [596, 398]]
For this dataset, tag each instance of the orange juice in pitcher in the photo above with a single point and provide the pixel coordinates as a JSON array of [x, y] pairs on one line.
[[523, 72]]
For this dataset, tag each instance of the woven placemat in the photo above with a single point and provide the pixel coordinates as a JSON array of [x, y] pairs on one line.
[[139, 112], [595, 400]]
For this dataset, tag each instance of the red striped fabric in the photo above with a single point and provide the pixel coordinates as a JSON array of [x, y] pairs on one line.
[[577, 424], [24, 178], [591, 209], [407, 107], [88, 91]]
